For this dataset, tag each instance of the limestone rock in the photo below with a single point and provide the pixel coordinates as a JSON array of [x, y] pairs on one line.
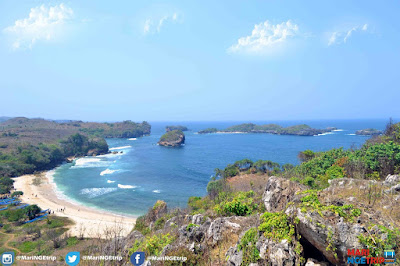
[[278, 192]]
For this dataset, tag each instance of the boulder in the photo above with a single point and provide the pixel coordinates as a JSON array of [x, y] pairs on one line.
[[314, 262], [277, 253], [278, 193], [234, 256], [392, 180], [218, 227]]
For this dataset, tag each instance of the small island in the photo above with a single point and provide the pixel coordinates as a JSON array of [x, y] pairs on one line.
[[171, 128], [208, 130], [174, 138], [298, 130], [369, 132]]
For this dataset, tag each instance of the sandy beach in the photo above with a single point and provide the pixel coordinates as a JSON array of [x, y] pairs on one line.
[[88, 222]]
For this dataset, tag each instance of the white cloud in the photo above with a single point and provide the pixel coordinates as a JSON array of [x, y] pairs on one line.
[[339, 37], [42, 24], [265, 36], [155, 25]]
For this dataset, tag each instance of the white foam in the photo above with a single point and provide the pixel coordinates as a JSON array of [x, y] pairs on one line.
[[126, 186], [96, 191], [323, 134], [156, 191], [90, 162], [120, 148], [337, 130], [108, 172], [351, 134], [132, 139], [110, 181]]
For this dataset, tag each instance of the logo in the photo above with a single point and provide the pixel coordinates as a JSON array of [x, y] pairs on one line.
[[7, 258], [73, 258], [137, 258], [390, 257]]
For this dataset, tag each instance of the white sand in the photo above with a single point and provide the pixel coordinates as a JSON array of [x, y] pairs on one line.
[[88, 222]]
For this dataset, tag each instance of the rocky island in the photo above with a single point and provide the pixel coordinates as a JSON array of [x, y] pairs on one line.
[[298, 130], [181, 128], [174, 138], [369, 132]]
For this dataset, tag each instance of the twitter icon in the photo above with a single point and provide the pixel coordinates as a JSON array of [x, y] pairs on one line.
[[73, 258]]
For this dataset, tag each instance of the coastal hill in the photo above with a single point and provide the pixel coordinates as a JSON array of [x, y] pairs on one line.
[[181, 128], [29, 145], [174, 138], [299, 130]]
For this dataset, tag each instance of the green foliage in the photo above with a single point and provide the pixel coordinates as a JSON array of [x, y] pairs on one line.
[[31, 211], [6, 184], [152, 245], [311, 201], [380, 238], [159, 223], [248, 246], [17, 193], [14, 215], [141, 226], [173, 135], [241, 204], [199, 204], [191, 225], [208, 130], [27, 246], [276, 226], [72, 241]]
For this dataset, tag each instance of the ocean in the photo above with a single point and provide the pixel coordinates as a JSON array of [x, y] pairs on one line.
[[132, 181]]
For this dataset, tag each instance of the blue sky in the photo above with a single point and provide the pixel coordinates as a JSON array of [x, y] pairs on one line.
[[203, 60]]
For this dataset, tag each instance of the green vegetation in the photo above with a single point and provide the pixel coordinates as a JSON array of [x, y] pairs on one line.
[[276, 226], [248, 246], [29, 145], [171, 136], [312, 202], [171, 128], [152, 245], [208, 130], [300, 130], [380, 238], [239, 203]]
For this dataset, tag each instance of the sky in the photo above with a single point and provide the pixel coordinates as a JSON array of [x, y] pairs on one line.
[[199, 60]]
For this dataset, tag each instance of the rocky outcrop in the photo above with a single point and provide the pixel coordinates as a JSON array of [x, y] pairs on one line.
[[277, 253], [392, 180], [369, 132], [174, 138], [278, 193], [157, 211]]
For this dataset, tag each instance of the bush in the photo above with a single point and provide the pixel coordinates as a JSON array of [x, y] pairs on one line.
[[248, 246], [276, 226], [241, 204]]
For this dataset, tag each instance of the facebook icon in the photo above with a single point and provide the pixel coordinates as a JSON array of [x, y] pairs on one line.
[[137, 258]]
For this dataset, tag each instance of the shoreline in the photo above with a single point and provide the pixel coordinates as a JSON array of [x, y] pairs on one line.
[[89, 222]]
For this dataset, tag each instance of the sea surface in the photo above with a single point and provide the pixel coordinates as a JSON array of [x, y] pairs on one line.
[[132, 181]]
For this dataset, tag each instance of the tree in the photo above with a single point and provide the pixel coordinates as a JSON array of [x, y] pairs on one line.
[[32, 210]]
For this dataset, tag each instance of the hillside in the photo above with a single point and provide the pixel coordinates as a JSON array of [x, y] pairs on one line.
[[28, 145]]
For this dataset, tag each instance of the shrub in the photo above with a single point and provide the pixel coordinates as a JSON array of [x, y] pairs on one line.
[[248, 246], [276, 226]]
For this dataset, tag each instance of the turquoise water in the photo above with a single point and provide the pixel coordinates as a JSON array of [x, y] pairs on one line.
[[131, 182]]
